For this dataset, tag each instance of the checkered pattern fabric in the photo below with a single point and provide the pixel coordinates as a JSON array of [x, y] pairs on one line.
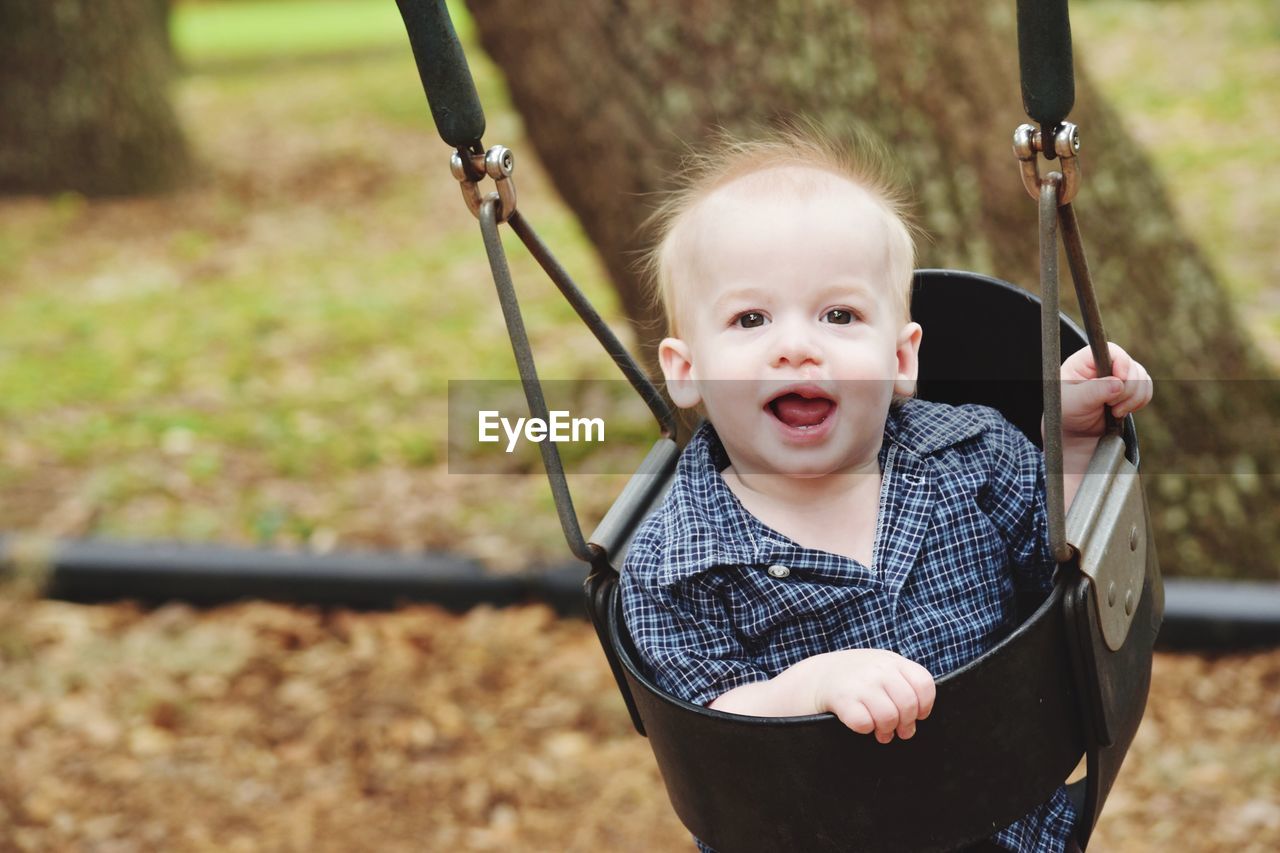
[[961, 530]]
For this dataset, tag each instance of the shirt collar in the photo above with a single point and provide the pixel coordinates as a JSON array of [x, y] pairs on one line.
[[925, 428], [704, 513]]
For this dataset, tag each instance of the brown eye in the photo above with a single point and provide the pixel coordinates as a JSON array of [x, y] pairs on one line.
[[750, 320], [839, 316]]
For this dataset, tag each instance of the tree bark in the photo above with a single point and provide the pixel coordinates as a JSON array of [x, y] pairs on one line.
[[84, 96], [612, 92]]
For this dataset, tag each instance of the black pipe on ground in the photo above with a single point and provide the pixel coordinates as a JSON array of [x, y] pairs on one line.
[[91, 571], [1220, 615], [1199, 614]]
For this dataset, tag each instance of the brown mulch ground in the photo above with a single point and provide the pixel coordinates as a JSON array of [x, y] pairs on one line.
[[267, 727]]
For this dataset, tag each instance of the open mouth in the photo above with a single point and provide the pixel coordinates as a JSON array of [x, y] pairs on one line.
[[802, 408]]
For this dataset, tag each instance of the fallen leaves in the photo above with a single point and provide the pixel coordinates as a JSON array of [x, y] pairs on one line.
[[261, 726]]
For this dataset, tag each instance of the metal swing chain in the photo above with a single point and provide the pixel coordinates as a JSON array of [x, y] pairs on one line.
[[1054, 192], [499, 163], [489, 214], [470, 167], [1027, 142], [606, 541], [1050, 359]]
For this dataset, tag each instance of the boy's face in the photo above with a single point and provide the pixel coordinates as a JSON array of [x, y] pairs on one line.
[[792, 334]]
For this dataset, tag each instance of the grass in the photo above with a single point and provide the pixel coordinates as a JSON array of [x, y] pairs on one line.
[[264, 357], [266, 30]]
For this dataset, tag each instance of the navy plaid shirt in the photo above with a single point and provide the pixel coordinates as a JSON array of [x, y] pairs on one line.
[[962, 488]]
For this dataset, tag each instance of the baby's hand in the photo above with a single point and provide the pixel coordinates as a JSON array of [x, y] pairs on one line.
[[872, 690], [1084, 393]]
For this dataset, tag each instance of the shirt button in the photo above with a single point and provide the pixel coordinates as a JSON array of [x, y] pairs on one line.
[[779, 571]]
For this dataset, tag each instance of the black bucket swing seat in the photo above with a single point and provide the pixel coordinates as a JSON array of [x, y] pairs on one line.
[[1007, 729]]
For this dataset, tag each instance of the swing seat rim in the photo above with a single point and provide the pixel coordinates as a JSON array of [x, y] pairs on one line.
[[622, 643]]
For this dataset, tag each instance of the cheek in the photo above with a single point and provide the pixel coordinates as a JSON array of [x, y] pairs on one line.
[[730, 360], [724, 394], [734, 420], [868, 363]]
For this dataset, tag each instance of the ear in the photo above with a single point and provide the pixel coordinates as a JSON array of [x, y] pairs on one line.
[[676, 360], [904, 384]]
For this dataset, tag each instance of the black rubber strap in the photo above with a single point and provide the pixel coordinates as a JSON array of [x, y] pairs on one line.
[[1044, 53], [445, 76]]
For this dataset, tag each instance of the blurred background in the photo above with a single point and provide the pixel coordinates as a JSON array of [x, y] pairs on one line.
[[236, 279]]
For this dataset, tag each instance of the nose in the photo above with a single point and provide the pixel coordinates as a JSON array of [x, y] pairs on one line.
[[794, 345]]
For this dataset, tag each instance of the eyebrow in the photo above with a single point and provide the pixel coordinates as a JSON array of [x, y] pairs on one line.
[[856, 287], [852, 287], [741, 294]]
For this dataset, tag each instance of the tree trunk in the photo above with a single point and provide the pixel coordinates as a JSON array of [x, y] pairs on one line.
[[611, 93], [84, 96]]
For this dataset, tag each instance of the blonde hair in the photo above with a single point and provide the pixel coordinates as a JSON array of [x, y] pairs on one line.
[[862, 162]]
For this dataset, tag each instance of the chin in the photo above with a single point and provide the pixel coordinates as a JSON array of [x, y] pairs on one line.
[[801, 469], [806, 470]]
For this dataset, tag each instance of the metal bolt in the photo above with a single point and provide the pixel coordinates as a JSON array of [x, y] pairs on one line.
[[1024, 141], [1128, 603], [1111, 594], [1067, 140], [1133, 538], [456, 166], [499, 162]]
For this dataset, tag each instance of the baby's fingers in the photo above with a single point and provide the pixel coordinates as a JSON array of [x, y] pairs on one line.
[[904, 698], [1138, 390], [1121, 361], [1088, 397], [921, 682], [856, 716], [1079, 365], [884, 712], [875, 713]]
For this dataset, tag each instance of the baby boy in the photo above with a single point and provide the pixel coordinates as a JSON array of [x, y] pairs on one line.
[[830, 543]]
